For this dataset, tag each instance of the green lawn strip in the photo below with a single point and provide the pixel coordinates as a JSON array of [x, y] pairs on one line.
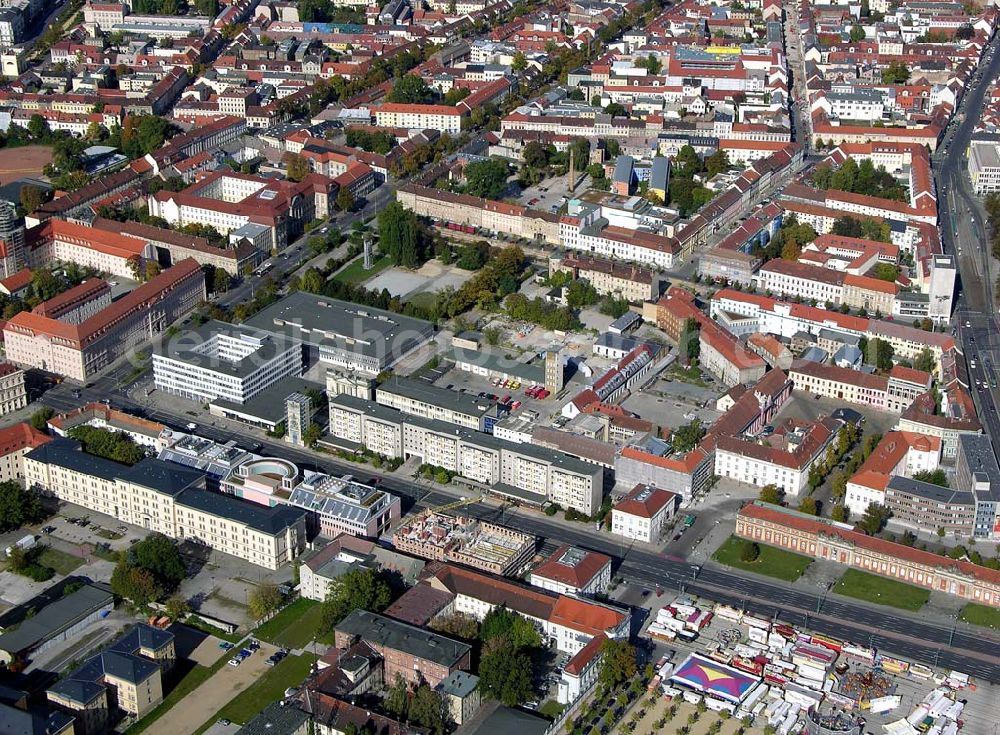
[[59, 561], [355, 271], [772, 562], [302, 633], [193, 622], [270, 687], [287, 622], [424, 299], [551, 709], [881, 590], [194, 678], [987, 617]]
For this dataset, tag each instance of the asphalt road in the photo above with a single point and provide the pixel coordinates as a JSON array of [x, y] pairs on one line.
[[907, 635], [963, 232]]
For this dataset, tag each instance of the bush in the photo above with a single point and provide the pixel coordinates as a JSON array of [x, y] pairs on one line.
[[750, 552]]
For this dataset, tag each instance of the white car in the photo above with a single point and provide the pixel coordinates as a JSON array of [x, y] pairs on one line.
[[235, 661]]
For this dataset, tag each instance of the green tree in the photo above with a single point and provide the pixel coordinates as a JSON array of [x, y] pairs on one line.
[[874, 518], [651, 63], [505, 674], [177, 607], [114, 445], [689, 343], [581, 293], [473, 256], [520, 62], [618, 663], [749, 551], [19, 506], [885, 272], [935, 477], [399, 235], [809, 506], [771, 494], [345, 199], [925, 361], [895, 73], [427, 709], [411, 90], [40, 419], [357, 589], [264, 599], [221, 280], [32, 198], [857, 33], [839, 513], [517, 632], [159, 556], [686, 437], [397, 699], [38, 128], [135, 584], [486, 179], [296, 166], [717, 162]]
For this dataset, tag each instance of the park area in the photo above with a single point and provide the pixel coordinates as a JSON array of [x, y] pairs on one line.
[[17, 163], [652, 715], [986, 617], [769, 560], [881, 591]]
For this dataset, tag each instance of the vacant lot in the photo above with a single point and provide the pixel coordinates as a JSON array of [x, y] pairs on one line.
[[873, 588], [295, 626], [63, 563], [16, 163], [987, 617], [772, 561]]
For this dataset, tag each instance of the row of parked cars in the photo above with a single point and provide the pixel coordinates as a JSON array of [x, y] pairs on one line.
[[245, 652]]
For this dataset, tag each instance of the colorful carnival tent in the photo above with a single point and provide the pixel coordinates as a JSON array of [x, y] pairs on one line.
[[711, 677]]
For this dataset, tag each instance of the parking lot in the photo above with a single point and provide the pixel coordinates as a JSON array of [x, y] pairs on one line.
[[549, 195]]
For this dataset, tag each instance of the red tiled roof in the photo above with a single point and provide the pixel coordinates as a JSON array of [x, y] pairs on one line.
[[576, 575], [21, 436], [818, 527], [585, 655], [655, 501]]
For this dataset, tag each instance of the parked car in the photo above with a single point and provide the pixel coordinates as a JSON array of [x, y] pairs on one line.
[[235, 661]]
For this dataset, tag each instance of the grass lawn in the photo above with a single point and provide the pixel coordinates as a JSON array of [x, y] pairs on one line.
[[772, 561], [355, 271], [60, 561], [551, 709], [987, 617], [189, 681], [293, 627], [424, 299], [270, 687], [690, 375], [880, 590], [193, 622]]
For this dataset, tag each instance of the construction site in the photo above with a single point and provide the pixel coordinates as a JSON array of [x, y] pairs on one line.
[[487, 547]]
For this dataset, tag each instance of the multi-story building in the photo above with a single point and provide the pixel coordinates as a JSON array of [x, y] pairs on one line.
[[343, 505], [415, 654], [78, 351], [13, 394], [573, 571], [344, 552], [568, 623], [298, 415], [838, 542], [347, 336], [984, 164], [783, 459], [167, 498], [126, 678], [419, 117], [419, 398], [528, 473], [78, 303], [88, 247], [222, 361], [15, 442], [631, 282], [476, 544], [643, 513], [898, 453]]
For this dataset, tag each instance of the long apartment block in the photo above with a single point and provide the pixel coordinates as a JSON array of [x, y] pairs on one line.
[[528, 473]]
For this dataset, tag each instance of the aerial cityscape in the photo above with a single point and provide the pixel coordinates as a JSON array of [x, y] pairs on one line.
[[499, 367]]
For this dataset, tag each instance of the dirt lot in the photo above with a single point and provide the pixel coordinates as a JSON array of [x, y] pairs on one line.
[[206, 700], [16, 163]]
